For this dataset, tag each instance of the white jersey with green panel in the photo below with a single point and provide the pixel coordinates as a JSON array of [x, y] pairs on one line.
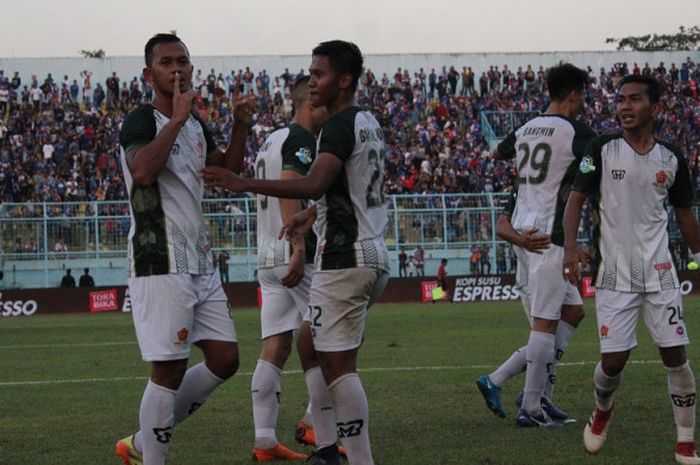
[[631, 191], [289, 149], [547, 149], [168, 233], [352, 214]]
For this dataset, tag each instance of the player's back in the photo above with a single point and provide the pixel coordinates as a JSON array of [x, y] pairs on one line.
[[547, 149], [291, 148]]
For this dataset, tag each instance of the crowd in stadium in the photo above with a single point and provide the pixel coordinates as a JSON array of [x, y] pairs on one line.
[[59, 137]]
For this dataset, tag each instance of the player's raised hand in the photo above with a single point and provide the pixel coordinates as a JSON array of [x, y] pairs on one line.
[[533, 242], [216, 176], [244, 106], [182, 101]]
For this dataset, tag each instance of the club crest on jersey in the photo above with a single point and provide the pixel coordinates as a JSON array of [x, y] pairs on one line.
[[661, 178], [304, 155], [586, 165]]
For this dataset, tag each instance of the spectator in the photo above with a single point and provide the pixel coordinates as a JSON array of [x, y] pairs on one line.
[[85, 280], [68, 280]]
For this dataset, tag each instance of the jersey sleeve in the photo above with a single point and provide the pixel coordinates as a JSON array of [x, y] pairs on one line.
[[681, 192], [582, 136], [338, 137], [211, 145], [298, 151], [510, 206], [139, 128], [507, 147], [588, 173]]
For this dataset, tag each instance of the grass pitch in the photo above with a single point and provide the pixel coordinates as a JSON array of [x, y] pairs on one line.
[[70, 386]]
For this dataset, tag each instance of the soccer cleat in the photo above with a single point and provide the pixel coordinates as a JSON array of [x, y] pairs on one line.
[[525, 420], [554, 412], [492, 395], [279, 452], [686, 454], [127, 452], [595, 432], [326, 456], [304, 434]]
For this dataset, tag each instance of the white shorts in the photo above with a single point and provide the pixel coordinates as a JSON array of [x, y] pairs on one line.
[[338, 306], [283, 308], [543, 288], [617, 314], [173, 311]]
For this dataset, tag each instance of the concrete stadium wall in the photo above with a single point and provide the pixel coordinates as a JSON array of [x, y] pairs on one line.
[[128, 67]]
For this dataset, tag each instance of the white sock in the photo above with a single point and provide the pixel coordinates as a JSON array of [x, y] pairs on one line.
[[561, 342], [308, 417], [352, 413], [514, 365], [321, 405], [681, 388], [605, 387], [197, 385], [266, 390], [157, 420], [540, 356]]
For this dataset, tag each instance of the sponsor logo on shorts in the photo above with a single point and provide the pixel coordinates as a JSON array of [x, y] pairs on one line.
[[604, 330], [182, 336], [680, 331], [662, 266]]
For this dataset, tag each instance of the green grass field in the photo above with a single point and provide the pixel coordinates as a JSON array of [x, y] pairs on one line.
[[71, 385]]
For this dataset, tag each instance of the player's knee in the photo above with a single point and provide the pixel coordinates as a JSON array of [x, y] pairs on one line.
[[225, 363], [573, 314], [613, 363]]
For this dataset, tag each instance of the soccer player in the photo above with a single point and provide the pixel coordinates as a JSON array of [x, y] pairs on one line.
[[352, 263], [176, 297], [285, 278], [632, 176], [571, 315], [547, 149]]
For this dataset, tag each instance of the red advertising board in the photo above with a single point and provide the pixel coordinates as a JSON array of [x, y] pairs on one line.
[[103, 301], [426, 290]]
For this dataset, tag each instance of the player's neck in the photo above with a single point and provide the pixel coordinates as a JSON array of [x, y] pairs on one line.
[[640, 139], [341, 103], [560, 109], [163, 103]]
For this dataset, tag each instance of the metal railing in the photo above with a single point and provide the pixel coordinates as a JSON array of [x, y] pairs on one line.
[[39, 241]]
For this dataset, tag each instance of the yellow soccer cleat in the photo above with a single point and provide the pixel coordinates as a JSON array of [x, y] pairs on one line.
[[127, 452]]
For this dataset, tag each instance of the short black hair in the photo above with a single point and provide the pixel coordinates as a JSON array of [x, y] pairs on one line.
[[565, 78], [654, 88], [160, 38], [344, 57], [300, 92]]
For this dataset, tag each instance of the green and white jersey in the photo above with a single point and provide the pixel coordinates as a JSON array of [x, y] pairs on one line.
[[352, 215], [168, 233], [290, 149], [547, 149], [630, 193]]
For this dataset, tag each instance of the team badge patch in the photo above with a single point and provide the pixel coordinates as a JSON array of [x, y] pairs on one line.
[[586, 165], [604, 330], [661, 178], [304, 155]]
